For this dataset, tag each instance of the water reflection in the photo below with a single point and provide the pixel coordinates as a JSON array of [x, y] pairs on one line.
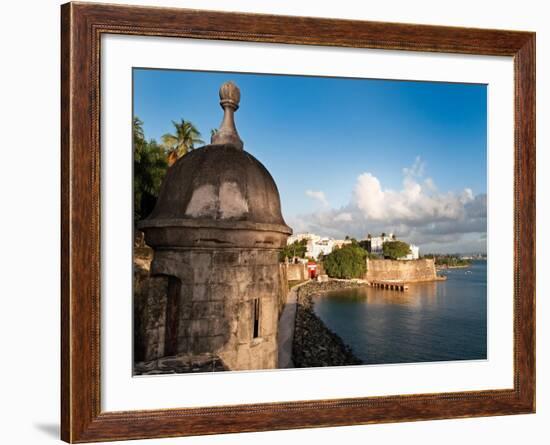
[[430, 322]]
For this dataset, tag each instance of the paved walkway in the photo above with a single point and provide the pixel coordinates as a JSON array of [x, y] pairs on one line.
[[286, 329]]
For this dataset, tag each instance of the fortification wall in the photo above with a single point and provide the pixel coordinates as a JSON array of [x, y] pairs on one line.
[[283, 286], [296, 272], [214, 305], [410, 271]]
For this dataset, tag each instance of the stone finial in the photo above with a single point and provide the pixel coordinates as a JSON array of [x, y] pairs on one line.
[[230, 97]]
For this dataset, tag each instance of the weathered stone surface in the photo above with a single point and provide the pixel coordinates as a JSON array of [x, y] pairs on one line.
[[409, 271], [171, 265], [200, 292], [218, 326], [244, 331], [207, 309], [225, 257], [222, 292], [215, 307], [149, 312], [296, 272], [250, 258], [180, 364], [269, 323], [202, 269]]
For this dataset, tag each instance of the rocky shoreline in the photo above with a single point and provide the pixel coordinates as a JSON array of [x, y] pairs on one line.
[[314, 344]]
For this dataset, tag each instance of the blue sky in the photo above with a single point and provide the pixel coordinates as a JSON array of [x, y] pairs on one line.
[[320, 136]]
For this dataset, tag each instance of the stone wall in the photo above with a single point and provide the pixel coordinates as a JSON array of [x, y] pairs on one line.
[[149, 313], [215, 305], [283, 287], [296, 272], [410, 271]]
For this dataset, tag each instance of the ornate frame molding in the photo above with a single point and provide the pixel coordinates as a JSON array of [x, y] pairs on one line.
[[82, 25]]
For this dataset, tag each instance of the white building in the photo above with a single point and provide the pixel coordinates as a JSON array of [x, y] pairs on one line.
[[323, 246], [414, 253], [339, 243], [315, 244], [300, 236], [375, 243]]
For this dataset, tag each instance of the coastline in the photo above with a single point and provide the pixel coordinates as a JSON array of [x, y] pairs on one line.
[[314, 344], [443, 267]]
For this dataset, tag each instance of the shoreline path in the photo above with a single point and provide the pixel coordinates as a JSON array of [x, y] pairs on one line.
[[286, 329]]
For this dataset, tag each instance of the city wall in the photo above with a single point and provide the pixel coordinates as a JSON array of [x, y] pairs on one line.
[[296, 272], [411, 271]]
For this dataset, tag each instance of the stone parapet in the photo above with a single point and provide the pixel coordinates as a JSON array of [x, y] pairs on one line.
[[405, 271]]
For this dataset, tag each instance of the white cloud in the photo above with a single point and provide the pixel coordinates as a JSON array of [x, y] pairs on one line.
[[418, 212], [416, 170], [318, 196], [430, 185], [345, 216], [414, 202]]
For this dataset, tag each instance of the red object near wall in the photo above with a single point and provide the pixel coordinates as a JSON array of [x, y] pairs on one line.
[[312, 269]]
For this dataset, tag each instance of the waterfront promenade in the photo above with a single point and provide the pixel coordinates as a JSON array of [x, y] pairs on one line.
[[286, 329]]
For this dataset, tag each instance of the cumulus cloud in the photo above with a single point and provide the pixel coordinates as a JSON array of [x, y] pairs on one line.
[[345, 216], [418, 212], [318, 196], [412, 203]]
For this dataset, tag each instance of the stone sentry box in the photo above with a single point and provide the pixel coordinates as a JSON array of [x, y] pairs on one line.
[[216, 232]]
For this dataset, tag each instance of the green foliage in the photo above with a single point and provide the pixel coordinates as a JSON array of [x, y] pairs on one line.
[[364, 245], [150, 166], [347, 262], [296, 249], [449, 260], [182, 141], [395, 249]]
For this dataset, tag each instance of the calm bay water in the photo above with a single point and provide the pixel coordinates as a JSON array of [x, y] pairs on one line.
[[437, 321]]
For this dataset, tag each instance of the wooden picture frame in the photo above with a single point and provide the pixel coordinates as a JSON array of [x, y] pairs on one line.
[[82, 26]]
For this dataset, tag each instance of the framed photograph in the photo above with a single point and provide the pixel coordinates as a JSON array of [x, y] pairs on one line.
[[275, 222]]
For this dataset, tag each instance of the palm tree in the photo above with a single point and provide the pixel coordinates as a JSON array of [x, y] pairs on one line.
[[183, 141], [139, 135], [150, 166]]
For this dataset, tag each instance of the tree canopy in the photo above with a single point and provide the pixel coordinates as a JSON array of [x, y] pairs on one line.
[[296, 249], [395, 249], [151, 160], [150, 166], [182, 141], [346, 262]]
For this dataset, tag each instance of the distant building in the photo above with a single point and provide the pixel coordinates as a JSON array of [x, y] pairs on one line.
[[316, 245], [323, 247], [339, 243], [375, 243], [301, 236], [413, 255]]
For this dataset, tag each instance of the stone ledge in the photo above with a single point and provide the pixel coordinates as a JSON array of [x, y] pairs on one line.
[[179, 364]]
